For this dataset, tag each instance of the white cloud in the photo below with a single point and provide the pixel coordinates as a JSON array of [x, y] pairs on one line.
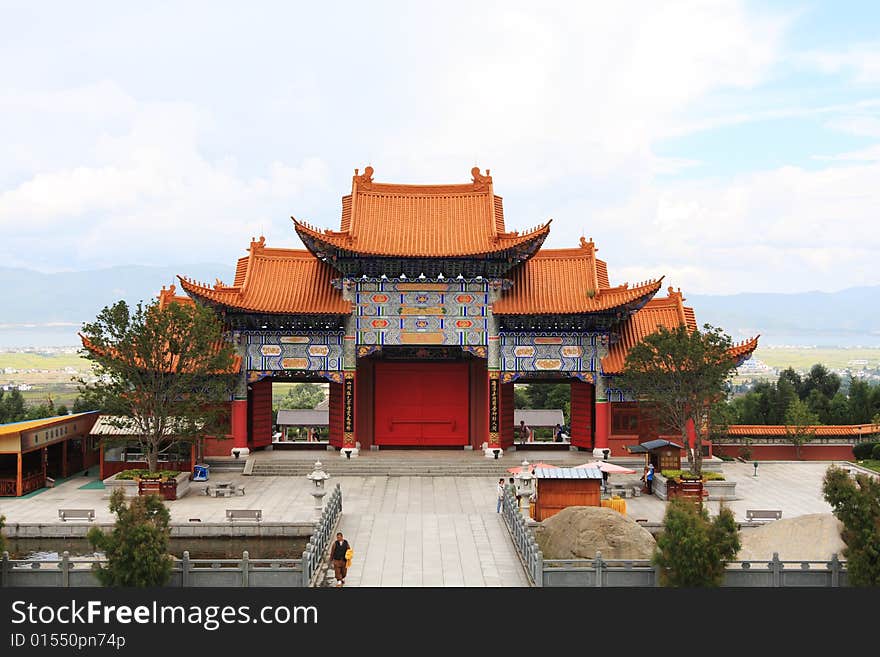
[[859, 61]]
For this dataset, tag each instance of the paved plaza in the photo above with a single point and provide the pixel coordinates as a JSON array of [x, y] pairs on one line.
[[423, 531]]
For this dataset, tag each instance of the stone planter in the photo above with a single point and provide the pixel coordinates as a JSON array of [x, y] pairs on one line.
[[172, 490], [723, 491], [718, 490]]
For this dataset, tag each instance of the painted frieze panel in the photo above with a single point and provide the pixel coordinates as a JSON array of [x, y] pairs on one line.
[[431, 312], [550, 352], [279, 351]]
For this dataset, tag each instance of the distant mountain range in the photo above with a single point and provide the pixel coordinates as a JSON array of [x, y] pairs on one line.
[[47, 309]]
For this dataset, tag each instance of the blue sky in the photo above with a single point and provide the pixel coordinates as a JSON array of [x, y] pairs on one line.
[[730, 146]]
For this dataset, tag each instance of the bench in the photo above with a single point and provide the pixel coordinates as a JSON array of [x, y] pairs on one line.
[[244, 514], [76, 514], [763, 514]]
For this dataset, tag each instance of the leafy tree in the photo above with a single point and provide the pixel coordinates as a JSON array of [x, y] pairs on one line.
[[137, 547], [838, 410], [692, 550], [819, 405], [161, 373], [80, 405], [860, 410], [799, 422], [12, 407], [682, 372], [785, 395], [61, 409], [791, 376], [821, 379], [856, 504], [302, 395]]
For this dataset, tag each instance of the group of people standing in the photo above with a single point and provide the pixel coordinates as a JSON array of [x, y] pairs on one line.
[[527, 435]]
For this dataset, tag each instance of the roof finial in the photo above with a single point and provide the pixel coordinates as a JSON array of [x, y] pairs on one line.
[[480, 181], [365, 178]]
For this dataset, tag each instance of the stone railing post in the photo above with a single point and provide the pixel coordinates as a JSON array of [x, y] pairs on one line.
[[776, 569], [245, 569], [597, 568], [184, 570], [657, 571], [4, 569], [835, 570], [65, 569], [307, 566]]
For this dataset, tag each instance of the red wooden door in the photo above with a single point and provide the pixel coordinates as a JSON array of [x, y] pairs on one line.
[[421, 403]]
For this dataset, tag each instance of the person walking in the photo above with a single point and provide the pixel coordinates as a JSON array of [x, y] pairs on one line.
[[557, 434], [500, 495], [649, 477], [339, 553]]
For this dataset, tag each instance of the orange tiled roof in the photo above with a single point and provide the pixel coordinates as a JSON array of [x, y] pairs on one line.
[[421, 220], [821, 430], [279, 281], [167, 296], [669, 312], [567, 281]]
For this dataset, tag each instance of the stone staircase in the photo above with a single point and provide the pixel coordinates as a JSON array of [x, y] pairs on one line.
[[225, 464], [397, 465]]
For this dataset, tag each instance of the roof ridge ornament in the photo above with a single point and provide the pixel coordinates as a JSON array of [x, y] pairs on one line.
[[365, 179], [481, 182], [257, 244]]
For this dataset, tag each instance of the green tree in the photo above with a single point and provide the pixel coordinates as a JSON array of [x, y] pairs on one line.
[[682, 372], [137, 547], [692, 550], [61, 409], [80, 405], [856, 504], [822, 379], [785, 395], [799, 425], [838, 410], [160, 373], [302, 395], [859, 401], [791, 376], [12, 407]]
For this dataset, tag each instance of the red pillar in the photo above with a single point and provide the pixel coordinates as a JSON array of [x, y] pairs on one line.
[[691, 434], [348, 414], [18, 477], [603, 425], [239, 426]]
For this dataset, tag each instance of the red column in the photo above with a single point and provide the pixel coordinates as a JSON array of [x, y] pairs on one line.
[[18, 477], [691, 434], [348, 415], [603, 425], [239, 426]]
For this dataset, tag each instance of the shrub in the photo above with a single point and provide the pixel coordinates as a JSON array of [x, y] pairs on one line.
[[692, 550], [687, 475], [875, 453], [864, 450], [137, 547], [725, 457], [128, 475], [712, 476], [745, 452], [856, 504]]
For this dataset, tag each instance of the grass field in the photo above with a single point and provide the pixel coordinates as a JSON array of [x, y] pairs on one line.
[[803, 359], [31, 361]]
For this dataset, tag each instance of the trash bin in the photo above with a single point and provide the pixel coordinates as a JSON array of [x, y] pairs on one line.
[[200, 472]]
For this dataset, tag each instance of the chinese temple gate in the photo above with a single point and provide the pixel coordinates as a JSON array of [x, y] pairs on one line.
[[422, 310]]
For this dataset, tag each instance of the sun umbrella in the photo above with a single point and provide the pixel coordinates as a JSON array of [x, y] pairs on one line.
[[605, 466], [532, 467]]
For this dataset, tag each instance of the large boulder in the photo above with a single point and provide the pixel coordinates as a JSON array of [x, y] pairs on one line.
[[813, 537], [578, 532]]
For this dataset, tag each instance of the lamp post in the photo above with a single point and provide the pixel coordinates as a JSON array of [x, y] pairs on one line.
[[755, 463], [318, 477]]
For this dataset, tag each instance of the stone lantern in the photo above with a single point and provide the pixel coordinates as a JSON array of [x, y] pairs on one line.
[[318, 477], [525, 488]]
